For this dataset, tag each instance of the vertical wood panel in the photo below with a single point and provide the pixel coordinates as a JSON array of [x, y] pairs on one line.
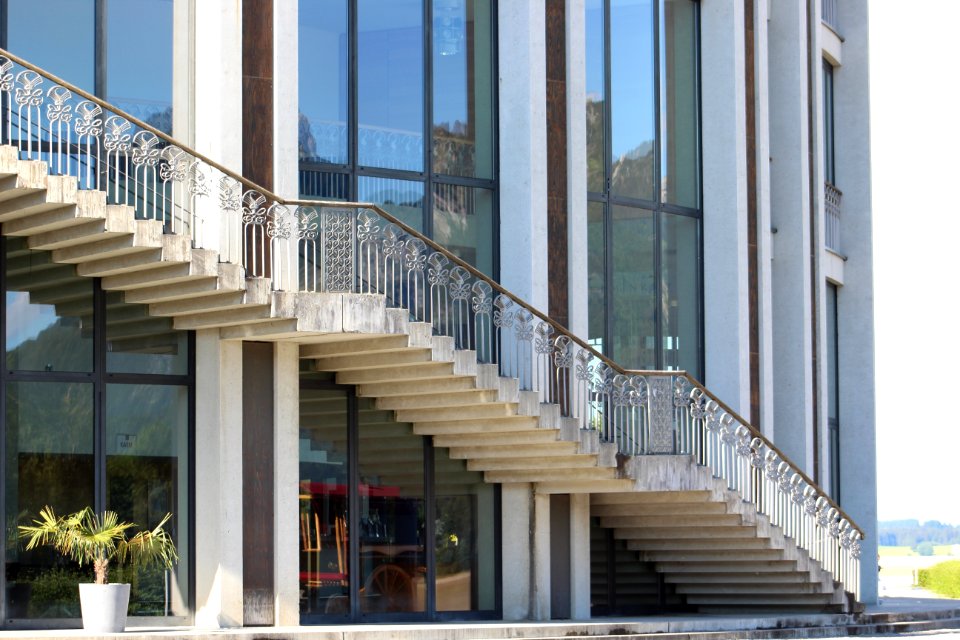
[[257, 87], [258, 474], [557, 203]]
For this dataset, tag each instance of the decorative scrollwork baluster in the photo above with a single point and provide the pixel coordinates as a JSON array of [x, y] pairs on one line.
[[338, 240], [116, 142], [6, 91], [28, 95], [145, 156], [308, 229], [543, 346], [482, 303], [438, 275], [59, 116], [460, 314], [584, 375], [562, 362], [415, 262], [279, 231], [254, 218], [502, 320], [369, 242], [393, 244], [523, 334]]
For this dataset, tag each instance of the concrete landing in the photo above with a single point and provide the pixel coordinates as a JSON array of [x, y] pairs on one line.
[[895, 616]]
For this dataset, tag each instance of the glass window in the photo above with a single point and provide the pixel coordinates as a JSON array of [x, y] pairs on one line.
[[324, 552], [464, 537], [139, 60], [140, 343], [632, 96], [828, 164], [596, 92], [49, 461], [49, 313], [634, 289], [410, 118], [390, 84], [679, 147], [403, 199], [463, 223], [462, 89], [147, 451], [323, 55], [679, 287], [643, 181], [596, 274], [391, 536]]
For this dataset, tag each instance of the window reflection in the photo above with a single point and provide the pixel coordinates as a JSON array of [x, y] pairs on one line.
[[323, 55], [462, 93], [56, 35], [390, 84], [49, 461], [679, 147], [634, 289], [633, 103], [679, 289], [403, 199], [49, 313], [147, 477], [324, 483], [463, 223], [139, 59]]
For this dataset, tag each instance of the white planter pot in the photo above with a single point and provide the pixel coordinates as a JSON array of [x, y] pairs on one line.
[[104, 607]]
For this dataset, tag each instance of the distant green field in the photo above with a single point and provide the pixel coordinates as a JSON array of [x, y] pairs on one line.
[[938, 550], [896, 551]]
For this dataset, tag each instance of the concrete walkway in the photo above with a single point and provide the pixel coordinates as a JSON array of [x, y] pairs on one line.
[[898, 616]]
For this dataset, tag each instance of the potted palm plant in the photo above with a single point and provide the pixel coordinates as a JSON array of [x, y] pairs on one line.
[[100, 539]]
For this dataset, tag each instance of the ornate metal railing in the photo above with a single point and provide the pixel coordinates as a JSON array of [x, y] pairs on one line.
[[832, 199], [310, 246]]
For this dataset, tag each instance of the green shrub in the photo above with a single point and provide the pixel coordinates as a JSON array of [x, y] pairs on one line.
[[942, 578]]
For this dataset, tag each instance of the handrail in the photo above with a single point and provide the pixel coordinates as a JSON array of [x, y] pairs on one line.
[[643, 412], [757, 434]]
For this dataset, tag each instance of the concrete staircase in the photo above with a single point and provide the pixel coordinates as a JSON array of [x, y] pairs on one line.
[[714, 549]]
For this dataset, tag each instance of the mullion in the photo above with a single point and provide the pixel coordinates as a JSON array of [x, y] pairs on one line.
[[657, 185]]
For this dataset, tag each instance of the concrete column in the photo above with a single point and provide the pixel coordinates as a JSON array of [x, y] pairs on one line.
[[726, 303], [523, 145], [286, 422], [577, 286], [207, 99], [790, 215], [516, 503], [858, 451], [285, 98], [764, 223], [579, 556], [219, 482], [540, 596]]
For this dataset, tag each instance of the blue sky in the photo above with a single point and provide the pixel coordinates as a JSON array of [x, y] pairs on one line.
[[916, 137]]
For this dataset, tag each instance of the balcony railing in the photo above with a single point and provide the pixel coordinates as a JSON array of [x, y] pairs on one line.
[[832, 199], [828, 14], [309, 246]]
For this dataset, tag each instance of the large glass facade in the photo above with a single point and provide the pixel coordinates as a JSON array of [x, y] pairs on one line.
[[643, 181], [391, 528], [120, 50], [96, 412], [396, 107]]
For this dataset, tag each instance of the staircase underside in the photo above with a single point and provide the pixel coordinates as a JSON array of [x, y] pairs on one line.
[[710, 546]]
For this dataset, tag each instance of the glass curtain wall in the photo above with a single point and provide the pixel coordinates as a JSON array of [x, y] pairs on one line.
[[96, 412], [643, 179], [391, 527], [121, 50], [396, 107]]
